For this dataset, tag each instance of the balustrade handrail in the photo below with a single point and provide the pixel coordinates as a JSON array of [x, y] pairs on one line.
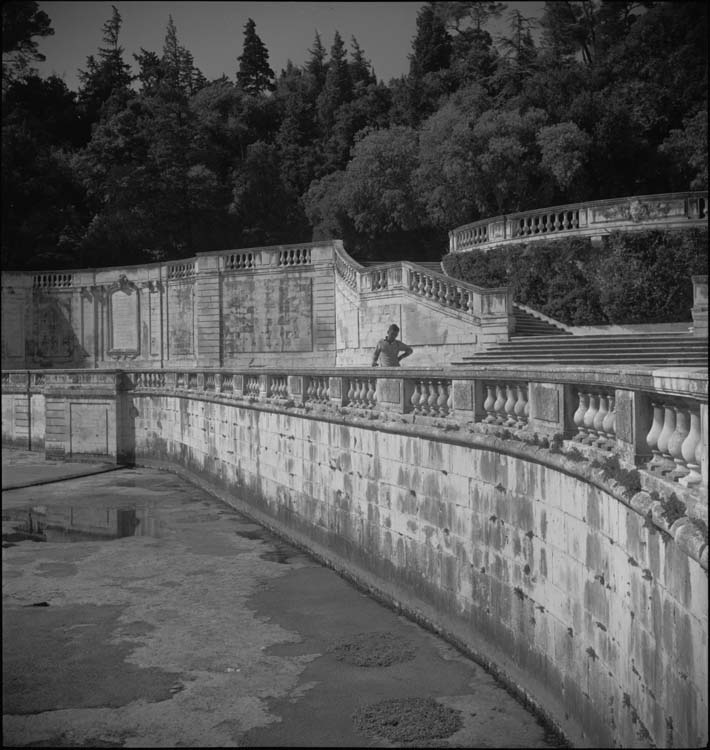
[[361, 272], [665, 381], [653, 420], [631, 212]]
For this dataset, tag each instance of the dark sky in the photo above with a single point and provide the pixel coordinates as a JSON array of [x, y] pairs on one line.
[[214, 31]]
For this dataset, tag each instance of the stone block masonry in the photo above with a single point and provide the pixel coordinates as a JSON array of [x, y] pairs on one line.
[[243, 308], [441, 496], [566, 590]]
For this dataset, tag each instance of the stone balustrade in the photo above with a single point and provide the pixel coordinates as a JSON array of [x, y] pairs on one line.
[[676, 440], [506, 404], [661, 432], [430, 286], [595, 418], [591, 219]]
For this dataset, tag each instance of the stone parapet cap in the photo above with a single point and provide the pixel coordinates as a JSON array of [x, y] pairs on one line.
[[681, 381]]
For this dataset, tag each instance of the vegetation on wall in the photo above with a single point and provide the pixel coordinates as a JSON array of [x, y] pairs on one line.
[[591, 100], [640, 277]]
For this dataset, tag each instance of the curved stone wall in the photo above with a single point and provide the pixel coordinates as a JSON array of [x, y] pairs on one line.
[[584, 594], [562, 587]]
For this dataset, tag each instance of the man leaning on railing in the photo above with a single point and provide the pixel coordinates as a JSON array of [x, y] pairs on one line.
[[391, 350]]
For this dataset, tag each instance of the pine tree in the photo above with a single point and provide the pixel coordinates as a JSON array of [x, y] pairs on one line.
[[431, 46], [316, 65], [361, 73], [105, 76], [254, 74], [337, 89], [179, 70]]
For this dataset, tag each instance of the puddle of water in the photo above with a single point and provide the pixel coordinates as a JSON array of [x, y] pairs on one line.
[[52, 523], [42, 523], [278, 551]]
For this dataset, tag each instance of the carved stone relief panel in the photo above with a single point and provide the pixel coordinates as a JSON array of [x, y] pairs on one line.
[[13, 335], [54, 336], [181, 318], [267, 314], [124, 320]]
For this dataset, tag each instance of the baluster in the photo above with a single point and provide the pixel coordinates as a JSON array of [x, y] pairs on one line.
[[356, 392], [599, 418], [676, 440], [433, 397], [589, 419], [421, 286], [442, 399], [361, 391], [509, 406], [351, 392], [449, 398], [424, 400], [451, 297], [692, 453], [488, 404], [519, 408], [370, 395], [578, 417], [441, 291], [655, 432], [416, 397], [499, 405], [609, 424], [309, 390], [665, 436]]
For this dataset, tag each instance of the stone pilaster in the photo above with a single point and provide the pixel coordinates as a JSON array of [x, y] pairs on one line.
[[208, 346], [634, 415]]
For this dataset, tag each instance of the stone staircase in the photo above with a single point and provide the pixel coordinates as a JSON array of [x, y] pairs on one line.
[[647, 350], [530, 323]]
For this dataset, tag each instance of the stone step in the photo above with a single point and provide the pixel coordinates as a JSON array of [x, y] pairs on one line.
[[591, 361], [527, 324], [636, 347], [626, 337]]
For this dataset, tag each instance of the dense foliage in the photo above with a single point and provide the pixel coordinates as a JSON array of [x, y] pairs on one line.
[[592, 100], [640, 277]]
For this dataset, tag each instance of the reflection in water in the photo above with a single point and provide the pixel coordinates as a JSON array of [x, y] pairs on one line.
[[42, 523]]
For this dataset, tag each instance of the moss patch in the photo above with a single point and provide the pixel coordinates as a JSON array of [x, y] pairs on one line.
[[374, 650], [408, 719]]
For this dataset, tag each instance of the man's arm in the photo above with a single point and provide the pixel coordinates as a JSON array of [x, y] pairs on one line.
[[376, 355], [405, 351]]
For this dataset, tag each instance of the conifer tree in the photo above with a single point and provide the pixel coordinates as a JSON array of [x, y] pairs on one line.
[[254, 74], [431, 46], [361, 72], [337, 89], [105, 76], [179, 70], [316, 65]]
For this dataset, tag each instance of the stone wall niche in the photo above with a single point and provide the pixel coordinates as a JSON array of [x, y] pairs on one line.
[[124, 320]]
